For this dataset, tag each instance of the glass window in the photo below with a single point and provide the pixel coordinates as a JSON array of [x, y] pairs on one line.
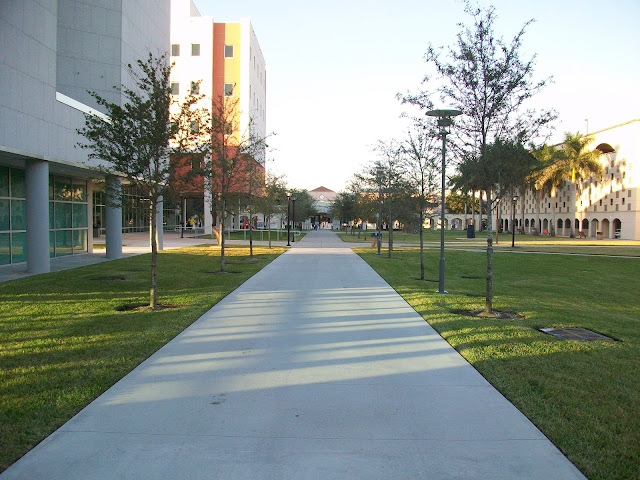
[[51, 180], [228, 51], [18, 247], [79, 241], [79, 215], [195, 49], [175, 88], [5, 223], [51, 217], [17, 183], [4, 181], [63, 189], [228, 89], [62, 215], [195, 88], [63, 243], [5, 253], [52, 244], [175, 49], [79, 191], [18, 214]]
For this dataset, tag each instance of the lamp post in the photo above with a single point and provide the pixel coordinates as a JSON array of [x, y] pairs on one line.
[[293, 215], [444, 121], [288, 219], [514, 200], [379, 172]]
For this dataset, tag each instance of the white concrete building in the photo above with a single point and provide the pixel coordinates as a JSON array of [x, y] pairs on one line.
[[227, 60], [606, 207], [51, 53]]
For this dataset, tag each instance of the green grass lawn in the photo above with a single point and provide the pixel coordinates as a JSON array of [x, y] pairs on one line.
[[63, 341], [585, 396]]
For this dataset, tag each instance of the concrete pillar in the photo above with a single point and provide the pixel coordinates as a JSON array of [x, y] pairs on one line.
[[90, 216], [208, 219], [37, 211], [159, 229], [113, 217]]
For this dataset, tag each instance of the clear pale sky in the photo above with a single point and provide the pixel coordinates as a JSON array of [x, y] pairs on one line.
[[334, 68]]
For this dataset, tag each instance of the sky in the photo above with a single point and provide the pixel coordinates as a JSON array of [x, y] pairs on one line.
[[334, 69]]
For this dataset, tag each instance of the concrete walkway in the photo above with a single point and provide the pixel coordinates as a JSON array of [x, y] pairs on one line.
[[313, 369]]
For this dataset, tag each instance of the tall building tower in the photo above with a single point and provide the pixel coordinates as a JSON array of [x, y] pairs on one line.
[[51, 54], [227, 61]]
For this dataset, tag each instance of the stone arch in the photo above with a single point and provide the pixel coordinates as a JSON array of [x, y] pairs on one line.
[[585, 226], [617, 228], [595, 225], [605, 148], [605, 228]]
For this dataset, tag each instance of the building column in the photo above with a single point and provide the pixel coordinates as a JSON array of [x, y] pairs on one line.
[[208, 219], [37, 206], [159, 229], [113, 217], [90, 216]]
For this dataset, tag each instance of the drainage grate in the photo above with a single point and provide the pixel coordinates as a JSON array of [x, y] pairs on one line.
[[574, 334]]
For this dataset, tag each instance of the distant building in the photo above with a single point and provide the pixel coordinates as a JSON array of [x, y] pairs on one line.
[[606, 207], [52, 53], [324, 199], [227, 60]]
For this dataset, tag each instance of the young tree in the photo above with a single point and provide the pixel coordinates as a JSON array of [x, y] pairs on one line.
[[232, 154], [489, 81], [344, 207], [423, 168], [270, 203], [137, 138]]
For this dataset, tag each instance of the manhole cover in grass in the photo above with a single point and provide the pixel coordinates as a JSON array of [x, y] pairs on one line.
[[113, 277], [471, 277], [574, 334]]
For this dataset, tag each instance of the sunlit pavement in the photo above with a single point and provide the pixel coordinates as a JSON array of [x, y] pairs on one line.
[[313, 369]]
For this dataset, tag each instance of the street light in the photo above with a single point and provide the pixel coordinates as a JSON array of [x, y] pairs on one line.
[[293, 214], [444, 121], [288, 219], [514, 200], [379, 171]]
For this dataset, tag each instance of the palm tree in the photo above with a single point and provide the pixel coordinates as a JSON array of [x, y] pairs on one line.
[[550, 176], [578, 160]]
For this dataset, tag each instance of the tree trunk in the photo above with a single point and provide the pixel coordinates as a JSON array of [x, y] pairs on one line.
[[153, 293], [421, 237], [390, 226], [538, 200], [572, 207], [552, 229], [223, 214], [250, 229], [488, 308]]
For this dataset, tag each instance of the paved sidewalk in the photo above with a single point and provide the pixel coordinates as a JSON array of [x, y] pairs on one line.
[[313, 369]]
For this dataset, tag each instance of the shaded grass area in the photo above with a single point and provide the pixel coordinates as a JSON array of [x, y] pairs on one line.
[[460, 236], [63, 341], [585, 396]]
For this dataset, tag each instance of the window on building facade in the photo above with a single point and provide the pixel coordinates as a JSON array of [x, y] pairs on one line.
[[195, 49], [175, 49], [228, 128], [228, 89], [194, 127], [228, 51], [195, 88], [175, 88]]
